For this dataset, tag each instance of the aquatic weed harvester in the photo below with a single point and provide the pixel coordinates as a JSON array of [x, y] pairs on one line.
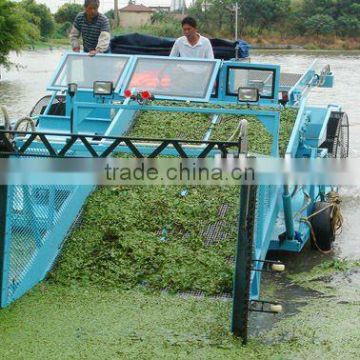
[[151, 106]]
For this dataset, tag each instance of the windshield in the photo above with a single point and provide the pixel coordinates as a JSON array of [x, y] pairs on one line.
[[84, 70], [174, 78]]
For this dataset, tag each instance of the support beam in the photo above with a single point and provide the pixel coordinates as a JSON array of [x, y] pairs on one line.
[[3, 211], [243, 263]]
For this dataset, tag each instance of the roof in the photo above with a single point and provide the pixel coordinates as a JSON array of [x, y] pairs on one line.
[[136, 8]]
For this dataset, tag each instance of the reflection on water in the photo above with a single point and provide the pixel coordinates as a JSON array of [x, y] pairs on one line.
[[20, 89]]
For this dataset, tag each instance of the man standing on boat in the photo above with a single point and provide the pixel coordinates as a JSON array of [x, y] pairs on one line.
[[192, 44], [93, 27]]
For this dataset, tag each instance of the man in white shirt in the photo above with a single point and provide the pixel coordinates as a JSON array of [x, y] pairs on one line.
[[192, 44]]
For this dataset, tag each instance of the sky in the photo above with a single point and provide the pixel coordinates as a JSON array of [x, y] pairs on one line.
[[105, 5]]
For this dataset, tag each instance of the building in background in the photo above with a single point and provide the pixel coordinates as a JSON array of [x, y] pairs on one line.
[[160, 8], [134, 15]]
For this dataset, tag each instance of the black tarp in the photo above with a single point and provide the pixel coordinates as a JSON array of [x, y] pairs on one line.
[[139, 44]]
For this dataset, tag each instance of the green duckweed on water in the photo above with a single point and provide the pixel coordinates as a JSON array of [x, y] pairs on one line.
[[78, 322]]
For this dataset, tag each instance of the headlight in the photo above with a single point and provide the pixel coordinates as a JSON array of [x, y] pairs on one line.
[[103, 88], [248, 94]]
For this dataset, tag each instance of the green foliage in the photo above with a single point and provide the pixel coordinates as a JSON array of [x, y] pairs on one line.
[[260, 14], [256, 17], [330, 16], [62, 30], [161, 17], [320, 25], [15, 31], [348, 25], [264, 13], [68, 12], [42, 17], [164, 29], [110, 14], [212, 20]]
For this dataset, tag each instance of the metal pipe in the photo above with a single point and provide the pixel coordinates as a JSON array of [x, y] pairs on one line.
[[3, 213], [236, 20], [288, 214], [3, 196]]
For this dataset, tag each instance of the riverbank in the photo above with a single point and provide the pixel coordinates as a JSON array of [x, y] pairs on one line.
[[49, 44], [304, 43], [294, 45]]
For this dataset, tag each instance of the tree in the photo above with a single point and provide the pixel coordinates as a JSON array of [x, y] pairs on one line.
[[67, 13], [15, 31], [348, 25], [42, 17], [264, 13], [253, 13], [320, 25], [110, 14]]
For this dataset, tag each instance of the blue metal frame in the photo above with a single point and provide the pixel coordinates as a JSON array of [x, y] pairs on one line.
[[4, 244], [47, 246], [223, 80], [270, 119]]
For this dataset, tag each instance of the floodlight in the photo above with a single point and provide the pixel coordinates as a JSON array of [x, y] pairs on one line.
[[246, 94], [103, 88]]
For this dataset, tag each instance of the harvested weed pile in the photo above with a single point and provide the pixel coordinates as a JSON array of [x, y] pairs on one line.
[[163, 237], [172, 237], [192, 126]]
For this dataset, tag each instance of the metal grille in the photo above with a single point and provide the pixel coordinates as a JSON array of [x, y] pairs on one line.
[[42, 144], [289, 79], [35, 211], [38, 218], [266, 201], [214, 233]]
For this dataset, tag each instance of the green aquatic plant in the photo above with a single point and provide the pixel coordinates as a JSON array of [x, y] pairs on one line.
[[163, 237], [194, 126], [159, 237]]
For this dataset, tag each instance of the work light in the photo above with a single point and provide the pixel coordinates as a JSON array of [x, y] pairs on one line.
[[246, 94], [103, 88], [72, 89]]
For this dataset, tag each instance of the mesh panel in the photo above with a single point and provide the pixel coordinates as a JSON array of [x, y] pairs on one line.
[[289, 79], [35, 210], [265, 201]]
